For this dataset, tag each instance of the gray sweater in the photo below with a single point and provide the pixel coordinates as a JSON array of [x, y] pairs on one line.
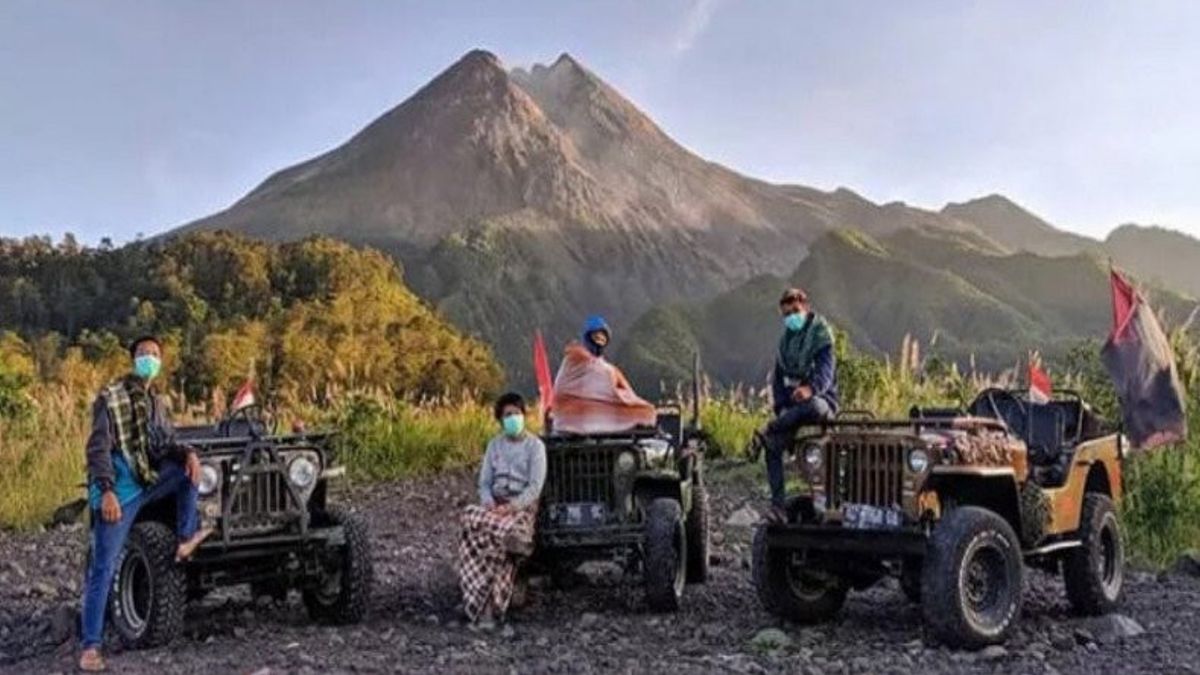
[[513, 471]]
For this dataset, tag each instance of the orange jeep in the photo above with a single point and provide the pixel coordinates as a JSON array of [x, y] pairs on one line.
[[954, 503]]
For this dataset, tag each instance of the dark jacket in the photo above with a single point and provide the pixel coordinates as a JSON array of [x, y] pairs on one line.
[[820, 373], [102, 441]]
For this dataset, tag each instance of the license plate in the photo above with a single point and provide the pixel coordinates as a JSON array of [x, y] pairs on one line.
[[868, 517], [580, 514]]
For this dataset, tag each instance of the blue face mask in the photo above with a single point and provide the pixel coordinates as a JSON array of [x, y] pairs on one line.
[[513, 424], [795, 321], [146, 366]]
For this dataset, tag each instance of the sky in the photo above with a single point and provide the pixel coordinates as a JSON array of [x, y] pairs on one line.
[[120, 119]]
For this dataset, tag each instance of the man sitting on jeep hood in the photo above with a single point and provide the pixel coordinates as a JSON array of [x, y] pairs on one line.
[[803, 385], [591, 395], [132, 460]]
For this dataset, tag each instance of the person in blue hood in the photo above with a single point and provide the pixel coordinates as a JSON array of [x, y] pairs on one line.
[[803, 384], [596, 335]]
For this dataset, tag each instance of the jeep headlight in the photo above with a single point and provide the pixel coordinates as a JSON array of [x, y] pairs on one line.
[[655, 451], [210, 478], [918, 460], [814, 456], [302, 472], [626, 462]]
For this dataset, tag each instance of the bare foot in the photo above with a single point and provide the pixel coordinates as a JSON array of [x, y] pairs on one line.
[[90, 660], [187, 548]]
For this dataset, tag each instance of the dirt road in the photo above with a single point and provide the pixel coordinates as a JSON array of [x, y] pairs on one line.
[[603, 626]]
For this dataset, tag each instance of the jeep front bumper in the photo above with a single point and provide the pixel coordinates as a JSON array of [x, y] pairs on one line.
[[837, 539]]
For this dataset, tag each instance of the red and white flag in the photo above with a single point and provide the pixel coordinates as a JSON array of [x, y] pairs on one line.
[[243, 398], [1040, 389], [541, 368]]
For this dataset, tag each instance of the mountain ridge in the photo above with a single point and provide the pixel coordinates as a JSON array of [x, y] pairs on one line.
[[524, 199]]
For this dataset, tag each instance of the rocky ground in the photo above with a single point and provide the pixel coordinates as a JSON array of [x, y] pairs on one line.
[[601, 627]]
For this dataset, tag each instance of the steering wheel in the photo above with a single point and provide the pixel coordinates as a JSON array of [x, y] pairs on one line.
[[256, 424], [1005, 406]]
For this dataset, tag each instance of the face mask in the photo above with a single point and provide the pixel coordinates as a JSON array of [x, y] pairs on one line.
[[795, 321], [513, 424], [146, 366]]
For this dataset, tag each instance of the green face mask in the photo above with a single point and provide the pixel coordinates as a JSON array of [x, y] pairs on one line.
[[513, 424], [146, 366]]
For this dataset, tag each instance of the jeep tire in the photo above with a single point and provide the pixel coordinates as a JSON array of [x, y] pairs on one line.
[[697, 536], [787, 591], [149, 592], [1095, 572], [971, 580], [664, 553], [343, 593]]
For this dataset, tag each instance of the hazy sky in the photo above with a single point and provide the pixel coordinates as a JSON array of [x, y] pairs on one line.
[[125, 117]]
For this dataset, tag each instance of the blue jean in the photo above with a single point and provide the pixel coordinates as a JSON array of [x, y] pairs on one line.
[[108, 541], [781, 431]]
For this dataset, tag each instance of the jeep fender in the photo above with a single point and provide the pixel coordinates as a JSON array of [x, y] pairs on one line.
[[648, 487], [994, 489]]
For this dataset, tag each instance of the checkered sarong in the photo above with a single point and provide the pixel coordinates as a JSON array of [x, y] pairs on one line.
[[487, 570]]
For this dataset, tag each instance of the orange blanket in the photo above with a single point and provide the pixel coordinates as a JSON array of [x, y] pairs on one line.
[[592, 396]]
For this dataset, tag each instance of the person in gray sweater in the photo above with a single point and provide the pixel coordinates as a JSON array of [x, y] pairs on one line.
[[499, 529]]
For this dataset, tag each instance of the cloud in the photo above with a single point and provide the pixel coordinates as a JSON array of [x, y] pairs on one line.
[[695, 22]]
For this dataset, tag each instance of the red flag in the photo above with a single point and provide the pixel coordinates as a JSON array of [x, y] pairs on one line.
[[1139, 358], [541, 368], [1040, 389], [243, 398]]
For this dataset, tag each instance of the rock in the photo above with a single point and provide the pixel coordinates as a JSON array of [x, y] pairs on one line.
[[743, 517], [1112, 628], [1084, 636], [239, 632], [588, 619], [1188, 564], [509, 632], [770, 640], [62, 623], [994, 652], [1063, 642]]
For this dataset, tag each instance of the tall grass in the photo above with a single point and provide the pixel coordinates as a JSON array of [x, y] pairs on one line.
[[41, 456], [381, 439]]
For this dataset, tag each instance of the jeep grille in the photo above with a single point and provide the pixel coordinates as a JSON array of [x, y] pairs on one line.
[[260, 500], [581, 475], [865, 472]]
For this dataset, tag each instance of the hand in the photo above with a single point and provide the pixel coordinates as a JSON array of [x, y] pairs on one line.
[[502, 508], [802, 393], [110, 508], [192, 467]]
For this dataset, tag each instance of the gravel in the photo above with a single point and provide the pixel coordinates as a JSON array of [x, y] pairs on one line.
[[602, 626]]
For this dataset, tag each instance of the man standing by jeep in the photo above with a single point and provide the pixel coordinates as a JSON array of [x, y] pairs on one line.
[[803, 385], [132, 460]]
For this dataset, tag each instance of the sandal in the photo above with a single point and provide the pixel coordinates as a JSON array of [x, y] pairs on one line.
[[187, 548], [90, 661]]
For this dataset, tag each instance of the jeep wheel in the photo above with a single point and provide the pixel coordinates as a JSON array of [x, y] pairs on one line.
[[1095, 572], [971, 579], [664, 555], [790, 591], [342, 593], [149, 591], [697, 536]]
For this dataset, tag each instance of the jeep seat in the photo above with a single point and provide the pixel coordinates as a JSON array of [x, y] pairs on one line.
[[1044, 437]]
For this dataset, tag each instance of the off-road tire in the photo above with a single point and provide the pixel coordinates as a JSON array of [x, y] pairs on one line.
[[910, 580], [697, 536], [1094, 573], [972, 552], [664, 554], [773, 579], [349, 605], [149, 592]]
